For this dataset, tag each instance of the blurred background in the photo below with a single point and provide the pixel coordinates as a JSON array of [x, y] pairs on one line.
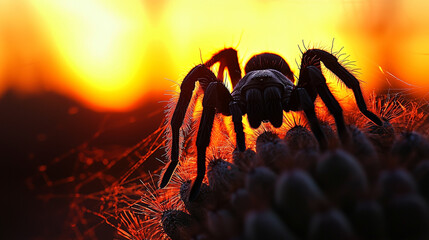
[[114, 55], [79, 73]]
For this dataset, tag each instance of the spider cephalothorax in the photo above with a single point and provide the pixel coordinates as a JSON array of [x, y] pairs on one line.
[[266, 90]]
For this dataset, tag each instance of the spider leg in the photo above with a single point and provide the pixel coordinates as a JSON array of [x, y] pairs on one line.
[[315, 78], [216, 99], [227, 59], [331, 62], [204, 76], [237, 117], [300, 96]]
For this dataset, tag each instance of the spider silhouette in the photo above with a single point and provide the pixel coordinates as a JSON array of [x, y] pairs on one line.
[[265, 91]]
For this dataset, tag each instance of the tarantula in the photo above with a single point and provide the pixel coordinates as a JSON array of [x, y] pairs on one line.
[[265, 91]]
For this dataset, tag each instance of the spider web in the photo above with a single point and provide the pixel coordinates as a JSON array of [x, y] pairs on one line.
[[100, 186]]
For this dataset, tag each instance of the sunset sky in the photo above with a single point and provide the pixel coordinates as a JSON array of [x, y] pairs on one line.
[[113, 55]]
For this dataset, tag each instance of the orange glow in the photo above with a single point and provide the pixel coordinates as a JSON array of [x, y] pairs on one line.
[[99, 43], [112, 55]]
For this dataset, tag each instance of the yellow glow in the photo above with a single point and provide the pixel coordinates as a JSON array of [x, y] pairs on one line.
[[112, 54], [252, 27], [100, 43]]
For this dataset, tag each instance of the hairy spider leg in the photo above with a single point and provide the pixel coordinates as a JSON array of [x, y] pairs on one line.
[[313, 76], [199, 73], [216, 99], [302, 99], [331, 62], [227, 58]]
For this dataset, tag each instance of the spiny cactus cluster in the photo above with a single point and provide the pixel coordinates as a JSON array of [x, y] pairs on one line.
[[375, 186]]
